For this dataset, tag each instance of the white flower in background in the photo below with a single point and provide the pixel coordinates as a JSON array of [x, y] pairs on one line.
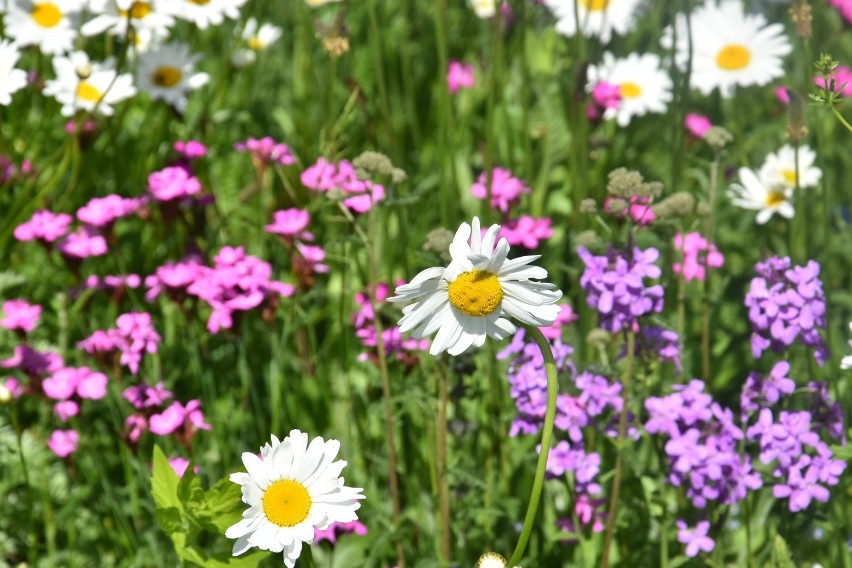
[[11, 79], [753, 193], [47, 24], [780, 168], [151, 19], [292, 489], [729, 47], [317, 3], [82, 85], [484, 8], [644, 87], [168, 73], [846, 362], [255, 39], [204, 13], [597, 18], [466, 301]]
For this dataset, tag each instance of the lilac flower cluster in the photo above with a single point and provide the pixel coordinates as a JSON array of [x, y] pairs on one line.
[[154, 415], [134, 336], [615, 286], [786, 302], [768, 390], [342, 178], [396, 345], [660, 344], [702, 445]]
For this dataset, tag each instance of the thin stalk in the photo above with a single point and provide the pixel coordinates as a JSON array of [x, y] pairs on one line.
[[626, 381], [32, 549], [705, 284], [840, 118], [546, 434], [443, 485]]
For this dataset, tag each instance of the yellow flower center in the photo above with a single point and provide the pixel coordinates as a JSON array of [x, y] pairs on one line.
[[88, 92], [595, 5], [286, 503], [733, 57], [790, 176], [629, 90], [200, 2], [775, 197], [476, 293], [255, 43], [46, 14], [166, 76], [138, 10]]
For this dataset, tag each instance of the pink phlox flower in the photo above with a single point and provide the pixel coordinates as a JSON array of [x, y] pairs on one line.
[[842, 75], [134, 336], [506, 190], [145, 396], [289, 222], [66, 409], [173, 182], [267, 150], [32, 362], [194, 415], [65, 382], [526, 231], [459, 76], [697, 255], [325, 176], [20, 315], [639, 209], [101, 212], [313, 256], [63, 443], [45, 226], [696, 539], [696, 124], [190, 149], [174, 277], [83, 243], [320, 176], [167, 421]]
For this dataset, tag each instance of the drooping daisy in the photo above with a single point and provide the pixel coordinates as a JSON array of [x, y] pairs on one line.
[[752, 193], [44, 23], [729, 47], [168, 73], [204, 13], [466, 301], [597, 18], [643, 86], [292, 488], [82, 85], [780, 168], [255, 39], [11, 79], [151, 18]]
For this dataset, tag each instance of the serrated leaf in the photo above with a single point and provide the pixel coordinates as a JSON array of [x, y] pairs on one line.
[[164, 482], [189, 489], [780, 554]]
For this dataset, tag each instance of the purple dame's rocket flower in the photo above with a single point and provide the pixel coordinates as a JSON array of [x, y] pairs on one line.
[[696, 539]]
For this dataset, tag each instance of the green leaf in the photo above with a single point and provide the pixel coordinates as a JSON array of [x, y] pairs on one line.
[[221, 507], [780, 554], [189, 489], [164, 482]]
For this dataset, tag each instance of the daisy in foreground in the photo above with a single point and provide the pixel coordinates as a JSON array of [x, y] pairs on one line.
[[292, 488], [765, 198], [466, 301]]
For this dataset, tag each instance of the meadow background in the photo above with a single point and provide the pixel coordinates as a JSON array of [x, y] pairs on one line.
[[367, 75]]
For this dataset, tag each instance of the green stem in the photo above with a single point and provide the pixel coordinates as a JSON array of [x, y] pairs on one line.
[[443, 484], [840, 118], [32, 549], [705, 284], [546, 434], [619, 462]]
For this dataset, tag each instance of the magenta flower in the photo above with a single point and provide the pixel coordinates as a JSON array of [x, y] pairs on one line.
[[63, 443], [342, 178], [526, 231], [20, 315], [135, 425], [267, 151], [63, 383], [180, 464], [65, 409], [83, 243], [506, 190], [167, 421], [697, 124], [190, 149], [144, 396], [173, 182], [334, 530], [44, 226], [696, 539], [607, 95], [289, 222], [565, 317], [696, 256], [32, 362], [783, 94], [459, 76], [101, 212], [134, 337]]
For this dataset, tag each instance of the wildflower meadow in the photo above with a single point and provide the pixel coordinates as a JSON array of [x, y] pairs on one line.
[[425, 284]]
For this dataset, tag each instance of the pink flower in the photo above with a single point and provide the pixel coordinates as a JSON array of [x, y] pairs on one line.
[[696, 256], [191, 149], [32, 362], [66, 409], [63, 383], [173, 182], [180, 464], [289, 222], [313, 256], [844, 7], [842, 75], [697, 124], [639, 209], [565, 317], [372, 194], [134, 337], [506, 190], [320, 176], [526, 231], [63, 443], [267, 151], [783, 95], [168, 421], [324, 176], [135, 425], [606, 95], [92, 385], [83, 243], [14, 387], [144, 396], [101, 212], [335, 529], [20, 315], [45, 226], [459, 76]]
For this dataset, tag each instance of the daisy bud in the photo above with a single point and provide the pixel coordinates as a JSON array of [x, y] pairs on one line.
[[702, 209], [717, 137]]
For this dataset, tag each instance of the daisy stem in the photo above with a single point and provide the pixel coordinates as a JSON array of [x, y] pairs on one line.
[[308, 556], [443, 484], [619, 462], [546, 434], [705, 284]]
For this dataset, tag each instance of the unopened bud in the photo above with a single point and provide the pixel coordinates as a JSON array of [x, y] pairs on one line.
[[680, 204], [588, 239], [703, 209], [374, 162], [588, 206], [717, 137], [598, 337], [438, 241], [5, 394]]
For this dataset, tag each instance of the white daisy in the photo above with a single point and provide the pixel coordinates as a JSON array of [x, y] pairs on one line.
[[290, 490], [168, 73], [484, 8], [255, 39], [151, 18], [752, 193], [466, 301], [204, 13], [45, 23], [780, 167], [11, 79], [317, 3], [82, 85], [644, 87], [491, 560], [729, 47], [597, 18]]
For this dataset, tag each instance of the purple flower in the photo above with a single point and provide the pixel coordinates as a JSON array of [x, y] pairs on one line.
[[144, 396], [659, 343], [173, 182], [505, 191], [334, 530], [44, 226], [696, 539], [190, 149], [767, 390], [20, 315]]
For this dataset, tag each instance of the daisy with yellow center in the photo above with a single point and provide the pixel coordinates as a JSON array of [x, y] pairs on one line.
[[256, 38], [594, 18], [43, 23], [780, 168], [168, 74], [151, 19], [82, 85], [204, 13], [765, 198], [471, 298], [729, 47], [11, 78], [291, 489], [642, 83]]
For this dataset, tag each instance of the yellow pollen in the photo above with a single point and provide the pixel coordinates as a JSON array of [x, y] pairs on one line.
[[286, 503], [629, 90], [595, 5], [790, 176], [138, 10], [733, 57], [46, 14], [476, 293], [255, 43], [166, 76], [200, 2], [88, 92], [774, 198]]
